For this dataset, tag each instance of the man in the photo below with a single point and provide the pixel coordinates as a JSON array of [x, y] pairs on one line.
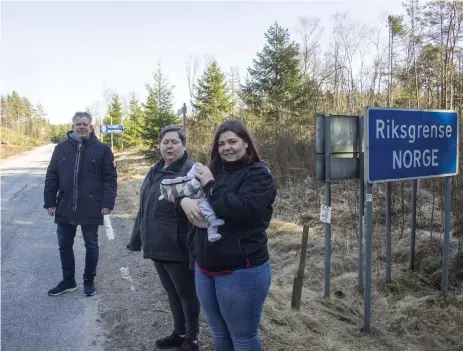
[[80, 188]]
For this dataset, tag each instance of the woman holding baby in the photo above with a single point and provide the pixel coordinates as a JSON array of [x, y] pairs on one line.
[[161, 231], [232, 274]]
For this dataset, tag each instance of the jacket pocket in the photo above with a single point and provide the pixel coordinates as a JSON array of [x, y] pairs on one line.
[[93, 206], [224, 254], [60, 204], [95, 166], [162, 240]]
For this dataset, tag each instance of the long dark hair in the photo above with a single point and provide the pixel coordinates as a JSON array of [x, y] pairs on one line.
[[237, 127]]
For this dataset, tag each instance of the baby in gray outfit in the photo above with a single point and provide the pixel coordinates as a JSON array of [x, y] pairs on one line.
[[189, 186]]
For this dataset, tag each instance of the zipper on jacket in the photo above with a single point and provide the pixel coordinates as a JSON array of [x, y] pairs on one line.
[[76, 176], [95, 165]]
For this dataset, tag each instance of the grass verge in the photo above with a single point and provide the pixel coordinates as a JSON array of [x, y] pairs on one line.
[[407, 314]]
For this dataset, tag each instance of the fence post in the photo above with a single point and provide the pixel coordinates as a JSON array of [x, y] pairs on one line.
[[299, 277]]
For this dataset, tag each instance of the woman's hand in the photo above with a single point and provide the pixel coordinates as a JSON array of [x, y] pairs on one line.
[[193, 212], [203, 174]]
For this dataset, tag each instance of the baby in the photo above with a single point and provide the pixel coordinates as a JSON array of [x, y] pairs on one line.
[[189, 186]]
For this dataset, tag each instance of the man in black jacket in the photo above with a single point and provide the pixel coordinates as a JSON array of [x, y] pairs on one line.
[[80, 188]]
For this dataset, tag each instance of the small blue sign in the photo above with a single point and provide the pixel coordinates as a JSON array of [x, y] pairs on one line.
[[410, 144], [115, 128]]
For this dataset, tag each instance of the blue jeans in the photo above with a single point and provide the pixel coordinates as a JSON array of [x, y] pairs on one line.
[[66, 234], [232, 304]]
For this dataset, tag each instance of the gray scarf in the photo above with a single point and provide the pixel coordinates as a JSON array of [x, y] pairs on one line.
[[78, 138]]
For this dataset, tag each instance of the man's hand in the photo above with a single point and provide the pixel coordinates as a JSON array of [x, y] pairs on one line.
[[51, 211], [105, 211]]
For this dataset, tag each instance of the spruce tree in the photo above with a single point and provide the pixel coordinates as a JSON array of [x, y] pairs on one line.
[[158, 109], [274, 85], [212, 100], [114, 116], [134, 123]]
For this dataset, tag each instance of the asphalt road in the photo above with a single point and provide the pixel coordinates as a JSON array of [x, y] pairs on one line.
[[30, 266]]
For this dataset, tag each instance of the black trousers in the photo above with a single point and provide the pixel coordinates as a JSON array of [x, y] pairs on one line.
[[179, 282]]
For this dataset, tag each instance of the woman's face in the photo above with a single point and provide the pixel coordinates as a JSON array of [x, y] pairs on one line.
[[231, 147], [171, 147]]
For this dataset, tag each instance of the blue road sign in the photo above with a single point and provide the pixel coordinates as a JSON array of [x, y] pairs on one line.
[[115, 128], [410, 144]]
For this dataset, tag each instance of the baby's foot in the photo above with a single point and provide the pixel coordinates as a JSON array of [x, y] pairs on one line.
[[214, 237]]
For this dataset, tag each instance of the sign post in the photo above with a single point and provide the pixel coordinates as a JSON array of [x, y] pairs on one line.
[[184, 117], [406, 144], [339, 157], [111, 129], [182, 111]]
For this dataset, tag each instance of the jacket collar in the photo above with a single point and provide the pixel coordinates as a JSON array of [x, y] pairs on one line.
[[174, 167], [229, 166], [90, 140]]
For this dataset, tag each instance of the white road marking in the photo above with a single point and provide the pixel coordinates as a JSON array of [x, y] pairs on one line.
[[108, 228], [126, 275]]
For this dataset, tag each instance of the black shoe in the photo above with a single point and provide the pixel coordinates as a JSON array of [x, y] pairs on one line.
[[170, 341], [89, 288], [189, 345], [63, 286]]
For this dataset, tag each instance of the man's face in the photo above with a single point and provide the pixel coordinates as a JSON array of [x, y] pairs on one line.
[[82, 127]]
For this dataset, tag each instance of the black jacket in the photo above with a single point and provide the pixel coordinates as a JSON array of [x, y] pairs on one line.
[[162, 231], [242, 195], [81, 179]]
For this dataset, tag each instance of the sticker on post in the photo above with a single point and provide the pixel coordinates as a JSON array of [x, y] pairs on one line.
[[369, 197], [325, 214]]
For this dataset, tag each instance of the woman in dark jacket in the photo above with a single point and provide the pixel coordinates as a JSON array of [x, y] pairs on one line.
[[233, 274], [162, 232]]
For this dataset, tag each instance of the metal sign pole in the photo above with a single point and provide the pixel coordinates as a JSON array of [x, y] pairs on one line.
[[445, 264], [184, 117], [112, 142], [413, 226], [368, 232], [388, 231], [361, 201], [328, 204], [368, 249]]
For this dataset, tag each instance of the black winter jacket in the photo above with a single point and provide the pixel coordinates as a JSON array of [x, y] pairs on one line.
[[81, 179], [242, 195], [162, 231]]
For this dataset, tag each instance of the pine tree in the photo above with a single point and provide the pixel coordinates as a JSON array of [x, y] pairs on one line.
[[274, 86], [114, 116], [163, 92], [212, 100], [134, 123], [150, 112], [158, 109]]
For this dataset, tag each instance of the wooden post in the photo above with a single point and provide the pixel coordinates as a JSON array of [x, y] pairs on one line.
[[299, 277]]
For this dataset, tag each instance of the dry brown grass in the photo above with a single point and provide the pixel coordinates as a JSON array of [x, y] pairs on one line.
[[408, 314], [132, 168], [14, 144], [7, 151]]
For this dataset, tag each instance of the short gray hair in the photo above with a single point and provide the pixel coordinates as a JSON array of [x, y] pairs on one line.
[[173, 128], [82, 115]]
